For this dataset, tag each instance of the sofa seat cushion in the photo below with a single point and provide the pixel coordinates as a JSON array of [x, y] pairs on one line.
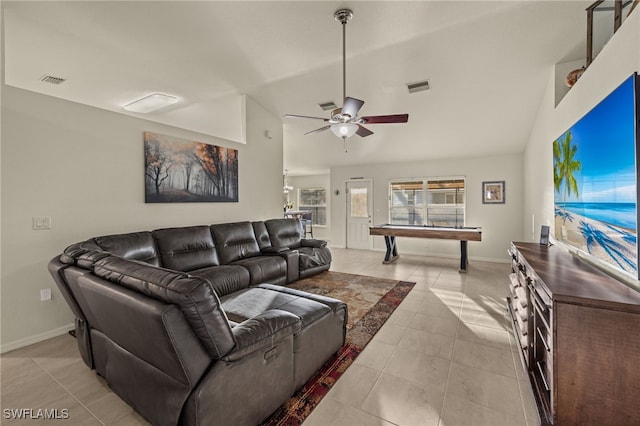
[[253, 301], [224, 279], [312, 257], [318, 339], [335, 304], [262, 269]]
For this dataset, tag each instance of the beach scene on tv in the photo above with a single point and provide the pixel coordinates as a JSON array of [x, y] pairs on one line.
[[595, 185]]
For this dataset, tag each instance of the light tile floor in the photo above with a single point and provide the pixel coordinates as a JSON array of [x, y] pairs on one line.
[[445, 357]]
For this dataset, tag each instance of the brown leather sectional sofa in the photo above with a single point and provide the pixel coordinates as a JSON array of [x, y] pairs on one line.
[[195, 325]]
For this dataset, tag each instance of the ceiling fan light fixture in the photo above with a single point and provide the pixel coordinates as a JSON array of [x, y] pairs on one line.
[[151, 103], [344, 130]]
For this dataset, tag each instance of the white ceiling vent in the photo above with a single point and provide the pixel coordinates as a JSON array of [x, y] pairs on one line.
[[328, 106], [53, 80], [418, 86]]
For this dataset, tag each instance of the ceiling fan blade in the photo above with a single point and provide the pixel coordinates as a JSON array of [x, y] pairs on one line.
[[304, 116], [381, 119], [363, 131], [321, 129], [351, 106]]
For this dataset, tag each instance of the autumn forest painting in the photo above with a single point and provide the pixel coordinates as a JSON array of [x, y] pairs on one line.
[[180, 171]]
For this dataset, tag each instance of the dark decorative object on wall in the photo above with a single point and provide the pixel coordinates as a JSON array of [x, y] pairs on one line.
[[595, 180], [182, 171], [493, 192]]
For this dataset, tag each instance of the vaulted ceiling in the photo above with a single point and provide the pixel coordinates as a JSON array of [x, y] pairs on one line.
[[488, 64]]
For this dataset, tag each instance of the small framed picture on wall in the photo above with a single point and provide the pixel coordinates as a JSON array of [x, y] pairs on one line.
[[493, 192]]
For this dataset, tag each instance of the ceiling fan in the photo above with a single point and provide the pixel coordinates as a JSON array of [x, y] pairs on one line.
[[344, 122]]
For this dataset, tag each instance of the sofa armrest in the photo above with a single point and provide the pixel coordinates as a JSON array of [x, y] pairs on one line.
[[292, 257], [308, 242], [261, 331], [274, 250], [293, 265]]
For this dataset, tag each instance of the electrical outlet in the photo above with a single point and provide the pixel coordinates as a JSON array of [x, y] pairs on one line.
[[42, 222], [45, 294]]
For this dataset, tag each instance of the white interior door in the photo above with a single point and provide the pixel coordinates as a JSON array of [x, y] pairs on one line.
[[359, 214]]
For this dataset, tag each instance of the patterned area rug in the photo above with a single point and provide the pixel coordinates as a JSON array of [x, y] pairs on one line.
[[370, 302]]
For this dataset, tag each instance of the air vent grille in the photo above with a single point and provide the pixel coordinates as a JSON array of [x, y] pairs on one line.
[[53, 80], [328, 106], [418, 86]]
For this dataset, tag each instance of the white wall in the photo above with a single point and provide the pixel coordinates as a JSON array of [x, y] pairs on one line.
[[501, 223], [83, 166], [615, 63]]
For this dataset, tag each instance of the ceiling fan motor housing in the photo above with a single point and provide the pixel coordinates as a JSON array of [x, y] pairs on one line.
[[337, 116], [343, 15]]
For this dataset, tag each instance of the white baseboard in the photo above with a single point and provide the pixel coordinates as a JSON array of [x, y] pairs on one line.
[[17, 344]]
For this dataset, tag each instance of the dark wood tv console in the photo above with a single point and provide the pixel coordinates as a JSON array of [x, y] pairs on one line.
[[579, 334]]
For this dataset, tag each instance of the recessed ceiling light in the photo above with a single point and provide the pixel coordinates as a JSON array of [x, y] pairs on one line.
[[151, 103]]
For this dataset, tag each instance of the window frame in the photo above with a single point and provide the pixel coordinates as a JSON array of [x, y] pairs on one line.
[[314, 207], [421, 206]]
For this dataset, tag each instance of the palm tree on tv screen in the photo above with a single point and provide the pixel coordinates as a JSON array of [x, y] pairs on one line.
[[564, 167]]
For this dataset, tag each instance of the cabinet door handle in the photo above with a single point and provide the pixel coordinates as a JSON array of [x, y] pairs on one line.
[[544, 380], [544, 339], [534, 295]]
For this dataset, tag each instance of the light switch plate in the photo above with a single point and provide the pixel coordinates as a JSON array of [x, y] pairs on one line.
[[42, 222]]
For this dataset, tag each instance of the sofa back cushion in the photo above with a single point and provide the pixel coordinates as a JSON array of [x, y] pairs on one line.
[[262, 236], [193, 296], [235, 241], [162, 337], [284, 232], [186, 249], [133, 246]]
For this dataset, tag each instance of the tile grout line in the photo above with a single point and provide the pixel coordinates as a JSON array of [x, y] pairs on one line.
[[493, 372], [492, 347], [516, 360], [361, 407], [453, 348], [68, 391], [455, 339]]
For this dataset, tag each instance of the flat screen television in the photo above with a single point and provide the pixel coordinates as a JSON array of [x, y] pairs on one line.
[[596, 180]]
